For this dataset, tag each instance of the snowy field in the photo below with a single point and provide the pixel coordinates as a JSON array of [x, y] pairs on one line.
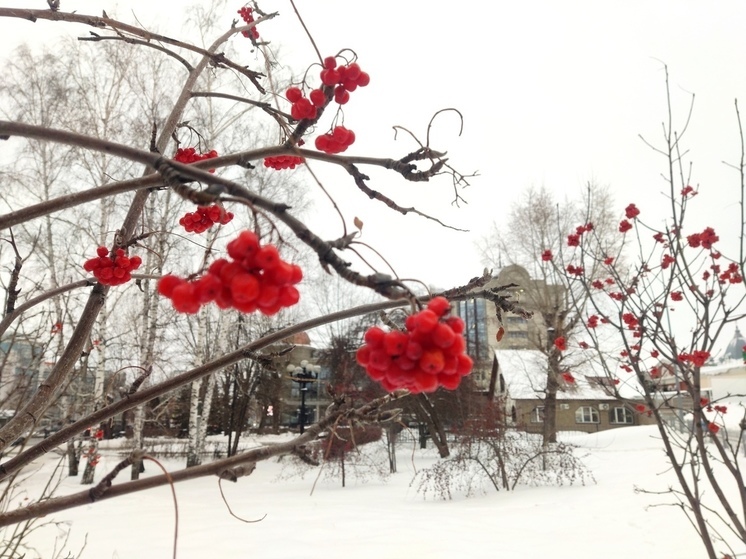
[[388, 519]]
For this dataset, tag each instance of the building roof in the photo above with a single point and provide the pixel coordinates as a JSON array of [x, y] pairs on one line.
[[735, 348], [524, 373]]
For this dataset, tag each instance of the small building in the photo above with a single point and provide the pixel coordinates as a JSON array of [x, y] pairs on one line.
[[726, 378], [588, 403]]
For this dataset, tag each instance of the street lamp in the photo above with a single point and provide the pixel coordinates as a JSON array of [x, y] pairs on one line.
[[303, 374]]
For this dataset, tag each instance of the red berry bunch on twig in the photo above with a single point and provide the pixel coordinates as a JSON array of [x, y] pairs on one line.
[[280, 162], [256, 278], [343, 78], [204, 218], [190, 155], [336, 141], [247, 14], [303, 107], [429, 354], [112, 271]]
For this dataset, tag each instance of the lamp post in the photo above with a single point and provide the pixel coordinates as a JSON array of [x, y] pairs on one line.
[[303, 374]]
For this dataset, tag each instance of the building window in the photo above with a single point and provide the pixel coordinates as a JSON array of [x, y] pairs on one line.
[[622, 416], [586, 414], [515, 320], [474, 314], [522, 334], [537, 416]]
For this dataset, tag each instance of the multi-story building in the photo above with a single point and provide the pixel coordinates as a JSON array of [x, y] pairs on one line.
[[483, 334], [20, 370]]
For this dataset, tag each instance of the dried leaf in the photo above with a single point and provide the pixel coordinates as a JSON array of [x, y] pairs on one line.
[[358, 223], [500, 333]]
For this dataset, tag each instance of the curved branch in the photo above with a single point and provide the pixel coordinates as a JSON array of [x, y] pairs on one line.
[[153, 180], [105, 490], [105, 22], [146, 394], [244, 352], [177, 175], [95, 37], [20, 309]]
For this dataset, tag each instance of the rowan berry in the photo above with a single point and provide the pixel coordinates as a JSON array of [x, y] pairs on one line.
[[439, 305], [294, 94], [112, 271], [317, 97], [256, 279], [428, 354]]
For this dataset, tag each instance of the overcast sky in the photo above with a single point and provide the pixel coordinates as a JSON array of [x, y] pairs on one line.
[[552, 93]]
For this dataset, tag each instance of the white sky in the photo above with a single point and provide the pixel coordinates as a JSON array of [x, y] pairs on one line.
[[552, 93]]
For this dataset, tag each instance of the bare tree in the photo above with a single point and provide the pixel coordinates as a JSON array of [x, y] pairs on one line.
[[535, 235], [138, 233], [667, 310]]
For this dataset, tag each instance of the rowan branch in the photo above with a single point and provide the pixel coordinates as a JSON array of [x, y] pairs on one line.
[[105, 490]]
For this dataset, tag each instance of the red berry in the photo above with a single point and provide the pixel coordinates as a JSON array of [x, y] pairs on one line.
[[341, 95], [414, 350], [432, 361], [456, 323], [443, 336], [352, 72], [184, 298], [244, 287], [289, 296], [294, 94], [363, 79], [395, 342], [465, 364], [449, 382], [267, 257], [425, 382], [329, 77], [268, 295], [374, 337], [362, 355], [330, 62], [207, 288], [425, 321], [439, 305], [317, 97], [102, 251], [379, 359], [246, 243]]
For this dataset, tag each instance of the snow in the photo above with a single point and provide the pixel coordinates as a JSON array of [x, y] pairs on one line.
[[388, 518]]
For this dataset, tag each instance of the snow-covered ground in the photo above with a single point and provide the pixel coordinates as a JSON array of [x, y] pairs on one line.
[[389, 519]]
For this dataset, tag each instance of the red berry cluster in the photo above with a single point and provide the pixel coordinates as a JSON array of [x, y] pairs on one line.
[[256, 279], [112, 271], [190, 155], [697, 357], [705, 239], [204, 218], [281, 162], [343, 78], [247, 14], [303, 107], [428, 355], [336, 141]]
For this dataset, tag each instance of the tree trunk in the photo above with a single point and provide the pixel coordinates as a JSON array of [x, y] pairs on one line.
[[549, 427], [195, 425], [391, 435], [138, 424], [426, 413], [73, 458], [92, 458]]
